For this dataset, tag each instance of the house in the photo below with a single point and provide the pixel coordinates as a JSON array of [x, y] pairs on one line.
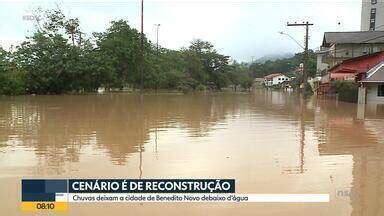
[[340, 46], [371, 89], [350, 69], [275, 79], [359, 64]]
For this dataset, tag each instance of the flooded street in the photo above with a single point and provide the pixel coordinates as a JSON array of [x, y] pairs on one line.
[[270, 142]]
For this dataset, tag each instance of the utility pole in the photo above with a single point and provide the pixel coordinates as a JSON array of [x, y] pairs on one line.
[[305, 63], [142, 48], [157, 36], [157, 49]]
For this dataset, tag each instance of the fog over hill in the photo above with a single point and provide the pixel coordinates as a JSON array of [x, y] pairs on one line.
[[274, 57]]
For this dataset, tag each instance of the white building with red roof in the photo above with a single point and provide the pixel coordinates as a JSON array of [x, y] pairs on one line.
[[275, 79]]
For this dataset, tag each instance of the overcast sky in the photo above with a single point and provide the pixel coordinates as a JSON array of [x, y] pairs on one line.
[[243, 29]]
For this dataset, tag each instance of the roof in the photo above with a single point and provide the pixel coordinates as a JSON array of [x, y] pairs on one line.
[[363, 57], [376, 74], [350, 65], [356, 37], [270, 76]]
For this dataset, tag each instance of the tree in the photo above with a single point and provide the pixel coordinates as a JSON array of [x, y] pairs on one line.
[[240, 75], [52, 65], [11, 78], [206, 65], [46, 60], [122, 44], [72, 28]]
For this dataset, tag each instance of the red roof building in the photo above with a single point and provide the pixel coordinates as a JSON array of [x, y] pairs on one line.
[[270, 76], [350, 69], [357, 65]]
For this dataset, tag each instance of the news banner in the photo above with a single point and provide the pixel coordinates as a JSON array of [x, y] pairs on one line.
[[56, 194]]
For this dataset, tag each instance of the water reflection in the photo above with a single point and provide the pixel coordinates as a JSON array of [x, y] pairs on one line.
[[58, 128], [271, 142], [343, 134]]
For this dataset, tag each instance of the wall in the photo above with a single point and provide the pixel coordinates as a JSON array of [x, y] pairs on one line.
[[362, 97], [355, 50], [372, 94], [348, 51], [320, 65]]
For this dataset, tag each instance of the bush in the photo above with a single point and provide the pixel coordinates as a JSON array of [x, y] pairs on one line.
[[184, 87], [307, 89], [347, 90], [200, 87], [13, 83], [12, 79]]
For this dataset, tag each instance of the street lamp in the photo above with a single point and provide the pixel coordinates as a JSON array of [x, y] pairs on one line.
[[157, 36], [283, 33]]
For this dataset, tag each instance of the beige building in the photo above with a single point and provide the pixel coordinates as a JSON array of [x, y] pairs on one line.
[[372, 15], [340, 46]]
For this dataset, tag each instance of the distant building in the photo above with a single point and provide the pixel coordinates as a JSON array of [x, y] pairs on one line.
[[258, 82], [275, 79], [340, 46], [372, 15]]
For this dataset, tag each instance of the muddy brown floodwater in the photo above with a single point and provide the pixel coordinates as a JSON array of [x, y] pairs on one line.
[[270, 142]]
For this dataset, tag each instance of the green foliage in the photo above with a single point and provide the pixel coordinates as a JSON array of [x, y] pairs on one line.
[[11, 79], [47, 61], [205, 65], [347, 90], [240, 75], [200, 87], [121, 45], [54, 64]]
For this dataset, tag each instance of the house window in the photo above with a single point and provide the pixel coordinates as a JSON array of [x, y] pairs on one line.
[[380, 90], [373, 2]]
